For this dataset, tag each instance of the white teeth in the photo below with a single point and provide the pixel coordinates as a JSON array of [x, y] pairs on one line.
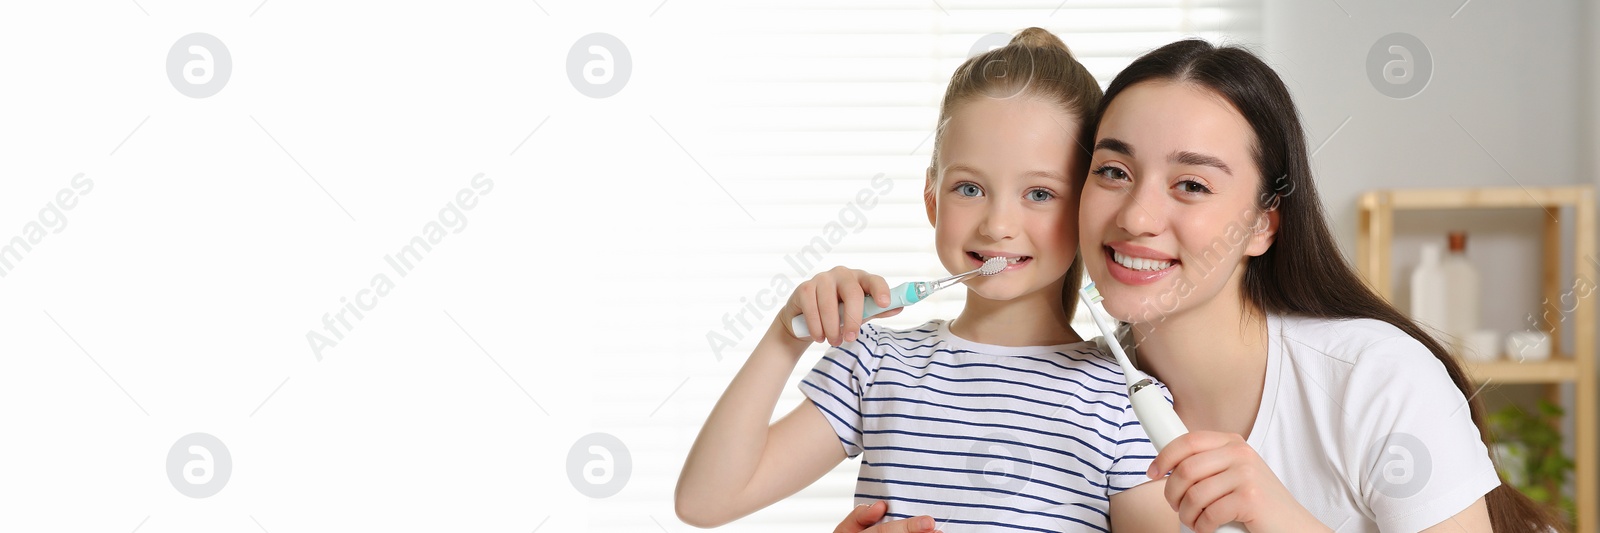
[[1139, 263], [1009, 260]]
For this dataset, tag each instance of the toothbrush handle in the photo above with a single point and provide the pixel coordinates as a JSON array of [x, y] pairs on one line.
[[901, 295], [1162, 424]]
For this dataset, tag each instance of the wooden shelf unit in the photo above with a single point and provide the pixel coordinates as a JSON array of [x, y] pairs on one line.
[[1574, 364]]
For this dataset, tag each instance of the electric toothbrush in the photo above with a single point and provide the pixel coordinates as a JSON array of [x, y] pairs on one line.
[[1155, 414], [907, 293]]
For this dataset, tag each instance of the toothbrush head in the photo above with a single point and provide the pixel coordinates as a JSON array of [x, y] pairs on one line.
[[1090, 293], [993, 265]]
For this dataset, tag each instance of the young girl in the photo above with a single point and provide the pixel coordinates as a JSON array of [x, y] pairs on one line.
[[1313, 404], [1001, 419]]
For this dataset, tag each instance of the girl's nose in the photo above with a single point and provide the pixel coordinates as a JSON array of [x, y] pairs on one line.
[[1000, 222]]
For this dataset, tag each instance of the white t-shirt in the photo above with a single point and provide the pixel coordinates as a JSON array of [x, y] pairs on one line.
[[982, 437], [1365, 428]]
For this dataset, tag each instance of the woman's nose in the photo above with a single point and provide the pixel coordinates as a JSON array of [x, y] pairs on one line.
[[1142, 211]]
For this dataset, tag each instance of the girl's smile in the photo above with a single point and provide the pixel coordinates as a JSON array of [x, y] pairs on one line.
[[1001, 188], [1014, 261]]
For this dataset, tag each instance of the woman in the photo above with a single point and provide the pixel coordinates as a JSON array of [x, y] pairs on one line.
[[1313, 404]]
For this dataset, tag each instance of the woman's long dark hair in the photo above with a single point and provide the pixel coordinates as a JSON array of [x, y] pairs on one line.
[[1302, 273]]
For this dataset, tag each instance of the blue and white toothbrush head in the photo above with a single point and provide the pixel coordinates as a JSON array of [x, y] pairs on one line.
[[906, 294]]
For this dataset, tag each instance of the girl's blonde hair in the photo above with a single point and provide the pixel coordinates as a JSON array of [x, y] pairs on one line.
[[1035, 64]]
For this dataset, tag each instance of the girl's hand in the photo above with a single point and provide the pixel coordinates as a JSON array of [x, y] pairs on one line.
[[820, 297], [1218, 478], [861, 520]]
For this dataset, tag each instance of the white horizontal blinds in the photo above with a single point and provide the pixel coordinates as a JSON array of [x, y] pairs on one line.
[[813, 100]]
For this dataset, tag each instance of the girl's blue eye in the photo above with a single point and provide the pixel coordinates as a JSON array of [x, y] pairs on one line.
[[968, 190], [1193, 187], [1111, 172], [1040, 195]]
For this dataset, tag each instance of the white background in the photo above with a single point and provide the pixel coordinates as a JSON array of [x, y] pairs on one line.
[[619, 231]]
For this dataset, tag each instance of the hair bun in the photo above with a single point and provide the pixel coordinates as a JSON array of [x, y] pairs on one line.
[[1037, 37]]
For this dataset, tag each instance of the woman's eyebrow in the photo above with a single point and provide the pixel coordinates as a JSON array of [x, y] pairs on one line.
[[1183, 157], [1199, 159], [1115, 145]]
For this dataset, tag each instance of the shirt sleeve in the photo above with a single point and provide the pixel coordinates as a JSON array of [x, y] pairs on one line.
[[1422, 459], [1134, 451], [838, 381]]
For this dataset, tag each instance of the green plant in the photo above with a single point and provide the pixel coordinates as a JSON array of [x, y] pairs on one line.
[[1530, 457]]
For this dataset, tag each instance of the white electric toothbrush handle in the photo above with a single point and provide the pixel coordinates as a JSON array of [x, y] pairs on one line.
[[901, 295], [1162, 424]]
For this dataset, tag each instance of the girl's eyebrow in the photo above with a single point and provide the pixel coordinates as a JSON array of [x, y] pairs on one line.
[[952, 169], [1047, 174]]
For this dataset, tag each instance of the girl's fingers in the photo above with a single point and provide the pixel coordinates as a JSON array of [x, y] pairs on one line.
[[813, 312], [828, 308], [851, 300], [805, 297], [879, 289]]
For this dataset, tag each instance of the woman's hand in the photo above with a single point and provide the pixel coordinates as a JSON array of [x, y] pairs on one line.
[[820, 299], [861, 520], [1218, 478]]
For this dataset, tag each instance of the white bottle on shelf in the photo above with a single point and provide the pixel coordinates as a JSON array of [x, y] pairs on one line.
[[1430, 291], [1462, 292]]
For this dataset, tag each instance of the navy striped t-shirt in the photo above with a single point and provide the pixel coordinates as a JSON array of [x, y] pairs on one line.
[[982, 437]]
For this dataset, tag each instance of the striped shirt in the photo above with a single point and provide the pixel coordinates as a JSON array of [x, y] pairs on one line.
[[982, 437]]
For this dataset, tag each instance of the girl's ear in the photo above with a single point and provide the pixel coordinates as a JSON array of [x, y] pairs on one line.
[[1263, 233], [929, 198]]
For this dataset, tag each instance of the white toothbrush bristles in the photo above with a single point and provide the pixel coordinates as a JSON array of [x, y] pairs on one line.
[[993, 265]]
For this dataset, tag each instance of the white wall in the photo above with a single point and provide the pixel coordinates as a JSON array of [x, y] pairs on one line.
[[1591, 61], [1509, 103], [1501, 109]]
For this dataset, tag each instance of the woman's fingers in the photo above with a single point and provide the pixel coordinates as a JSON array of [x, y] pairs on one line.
[[1194, 469], [1217, 478], [1202, 498], [1210, 503], [1184, 446], [916, 524], [861, 520], [862, 517]]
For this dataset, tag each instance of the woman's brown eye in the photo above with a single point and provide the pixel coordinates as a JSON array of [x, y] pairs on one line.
[[1111, 173]]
